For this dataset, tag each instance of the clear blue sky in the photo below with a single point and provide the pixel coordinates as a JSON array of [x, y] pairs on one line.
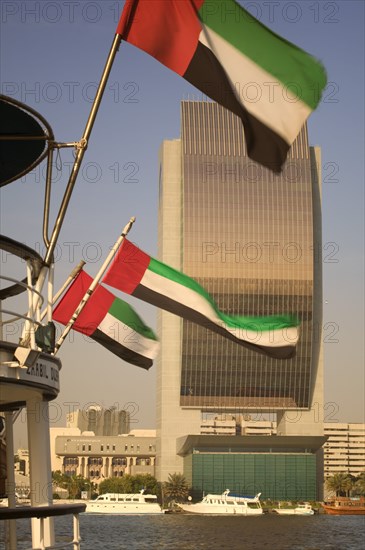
[[52, 55]]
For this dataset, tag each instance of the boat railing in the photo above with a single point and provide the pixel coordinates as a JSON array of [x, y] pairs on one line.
[[42, 513], [25, 323]]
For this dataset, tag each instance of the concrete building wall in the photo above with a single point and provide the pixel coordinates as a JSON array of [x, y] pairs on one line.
[[171, 420], [56, 460]]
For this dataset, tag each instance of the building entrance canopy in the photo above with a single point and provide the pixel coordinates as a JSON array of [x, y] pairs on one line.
[[248, 443]]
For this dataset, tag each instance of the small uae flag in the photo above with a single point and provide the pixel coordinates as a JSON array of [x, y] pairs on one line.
[[135, 272], [217, 46], [109, 321]]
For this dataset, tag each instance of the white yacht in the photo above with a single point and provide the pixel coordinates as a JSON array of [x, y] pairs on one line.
[[300, 510], [226, 504], [124, 503]]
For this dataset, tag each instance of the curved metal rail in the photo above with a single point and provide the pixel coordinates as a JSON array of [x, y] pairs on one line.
[[43, 512], [23, 252]]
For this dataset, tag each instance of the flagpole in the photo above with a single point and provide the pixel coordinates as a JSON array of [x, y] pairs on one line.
[[94, 284], [81, 148]]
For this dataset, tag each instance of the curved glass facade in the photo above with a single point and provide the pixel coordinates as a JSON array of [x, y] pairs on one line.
[[247, 238]]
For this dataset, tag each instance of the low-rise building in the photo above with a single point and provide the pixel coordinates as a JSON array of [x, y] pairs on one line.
[[100, 457]]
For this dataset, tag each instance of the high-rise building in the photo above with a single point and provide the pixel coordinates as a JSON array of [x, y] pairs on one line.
[[344, 450], [252, 239], [100, 421]]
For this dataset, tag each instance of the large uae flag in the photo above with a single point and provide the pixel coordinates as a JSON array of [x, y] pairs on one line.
[[217, 46], [109, 321], [135, 272]]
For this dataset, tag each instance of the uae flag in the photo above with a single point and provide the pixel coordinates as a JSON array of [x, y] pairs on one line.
[[109, 321], [135, 272], [217, 46]]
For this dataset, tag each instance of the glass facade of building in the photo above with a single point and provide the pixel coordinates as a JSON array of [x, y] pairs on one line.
[[277, 476], [247, 238]]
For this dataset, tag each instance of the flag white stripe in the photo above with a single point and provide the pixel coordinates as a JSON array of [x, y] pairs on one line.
[[129, 338], [189, 298], [267, 99]]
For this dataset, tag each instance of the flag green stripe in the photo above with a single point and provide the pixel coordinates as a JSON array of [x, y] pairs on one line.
[[180, 278], [289, 114], [125, 313], [170, 276], [278, 344], [274, 54]]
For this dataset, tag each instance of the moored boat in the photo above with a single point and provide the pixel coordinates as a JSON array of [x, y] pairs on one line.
[[300, 510], [339, 506], [124, 503], [225, 504]]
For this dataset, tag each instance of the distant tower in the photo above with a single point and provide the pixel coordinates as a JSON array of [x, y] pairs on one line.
[[101, 421], [253, 240]]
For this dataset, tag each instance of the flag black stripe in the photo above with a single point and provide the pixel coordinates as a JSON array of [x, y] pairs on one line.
[[263, 144], [121, 351]]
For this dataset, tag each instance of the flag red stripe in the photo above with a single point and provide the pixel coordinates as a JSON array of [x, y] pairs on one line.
[[169, 31], [127, 268], [94, 311]]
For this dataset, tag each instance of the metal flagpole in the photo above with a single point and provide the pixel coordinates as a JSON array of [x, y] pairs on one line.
[[94, 284], [81, 148], [52, 300]]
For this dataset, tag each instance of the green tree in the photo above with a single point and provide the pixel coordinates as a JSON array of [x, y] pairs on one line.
[[74, 484], [59, 479], [130, 484], [145, 481], [340, 483], [176, 488], [359, 485], [117, 485]]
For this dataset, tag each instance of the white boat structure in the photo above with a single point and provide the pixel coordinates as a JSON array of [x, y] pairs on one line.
[[30, 372], [300, 510], [124, 503], [226, 504], [29, 369]]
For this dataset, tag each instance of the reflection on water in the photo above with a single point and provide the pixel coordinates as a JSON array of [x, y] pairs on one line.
[[185, 532]]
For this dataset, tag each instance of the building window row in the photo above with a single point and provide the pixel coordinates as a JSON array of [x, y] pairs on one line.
[[107, 447]]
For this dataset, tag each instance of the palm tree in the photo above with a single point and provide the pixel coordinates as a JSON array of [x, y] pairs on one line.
[[359, 485], [176, 488], [340, 483]]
